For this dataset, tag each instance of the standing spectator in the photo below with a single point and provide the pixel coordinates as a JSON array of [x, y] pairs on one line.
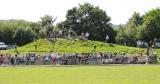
[[46, 60], [27, 59], [6, 60], [107, 38], [32, 59], [86, 35], [16, 59], [1, 59], [53, 60], [12, 60]]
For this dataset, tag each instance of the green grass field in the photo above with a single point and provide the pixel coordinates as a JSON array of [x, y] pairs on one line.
[[76, 46], [108, 74]]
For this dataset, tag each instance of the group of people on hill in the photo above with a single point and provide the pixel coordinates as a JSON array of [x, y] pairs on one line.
[[70, 59], [71, 34]]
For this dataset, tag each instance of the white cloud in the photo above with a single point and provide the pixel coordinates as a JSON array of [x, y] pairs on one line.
[[32, 10]]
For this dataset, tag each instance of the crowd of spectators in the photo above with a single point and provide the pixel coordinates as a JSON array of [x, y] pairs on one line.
[[70, 59]]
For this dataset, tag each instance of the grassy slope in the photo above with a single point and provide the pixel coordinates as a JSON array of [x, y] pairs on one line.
[[74, 46], [136, 74]]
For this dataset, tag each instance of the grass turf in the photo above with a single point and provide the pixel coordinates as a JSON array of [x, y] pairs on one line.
[[75, 46], [109, 74]]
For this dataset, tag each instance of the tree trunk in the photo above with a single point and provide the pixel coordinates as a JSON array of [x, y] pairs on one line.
[[148, 53], [148, 49]]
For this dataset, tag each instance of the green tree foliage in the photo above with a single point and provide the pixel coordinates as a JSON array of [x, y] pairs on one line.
[[6, 34], [128, 32], [46, 25], [59, 26], [36, 26], [22, 32], [149, 31], [8, 27], [43, 27], [87, 18], [23, 35], [121, 35]]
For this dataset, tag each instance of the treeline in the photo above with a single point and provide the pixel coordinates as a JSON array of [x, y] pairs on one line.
[[145, 28], [89, 19], [92, 19], [16, 31], [21, 32]]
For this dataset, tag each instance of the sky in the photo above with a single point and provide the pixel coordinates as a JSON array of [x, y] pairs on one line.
[[31, 10]]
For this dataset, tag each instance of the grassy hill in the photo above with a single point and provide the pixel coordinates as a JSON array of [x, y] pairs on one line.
[[76, 46]]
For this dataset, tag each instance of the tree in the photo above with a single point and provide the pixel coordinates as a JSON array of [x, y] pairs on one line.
[[36, 26], [23, 35], [8, 27], [46, 25], [121, 35], [21, 31], [129, 31], [87, 18], [149, 30], [132, 27], [43, 27]]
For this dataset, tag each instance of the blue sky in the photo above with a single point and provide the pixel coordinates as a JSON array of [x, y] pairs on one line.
[[31, 10]]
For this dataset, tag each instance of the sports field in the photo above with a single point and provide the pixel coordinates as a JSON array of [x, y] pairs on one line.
[[108, 74]]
